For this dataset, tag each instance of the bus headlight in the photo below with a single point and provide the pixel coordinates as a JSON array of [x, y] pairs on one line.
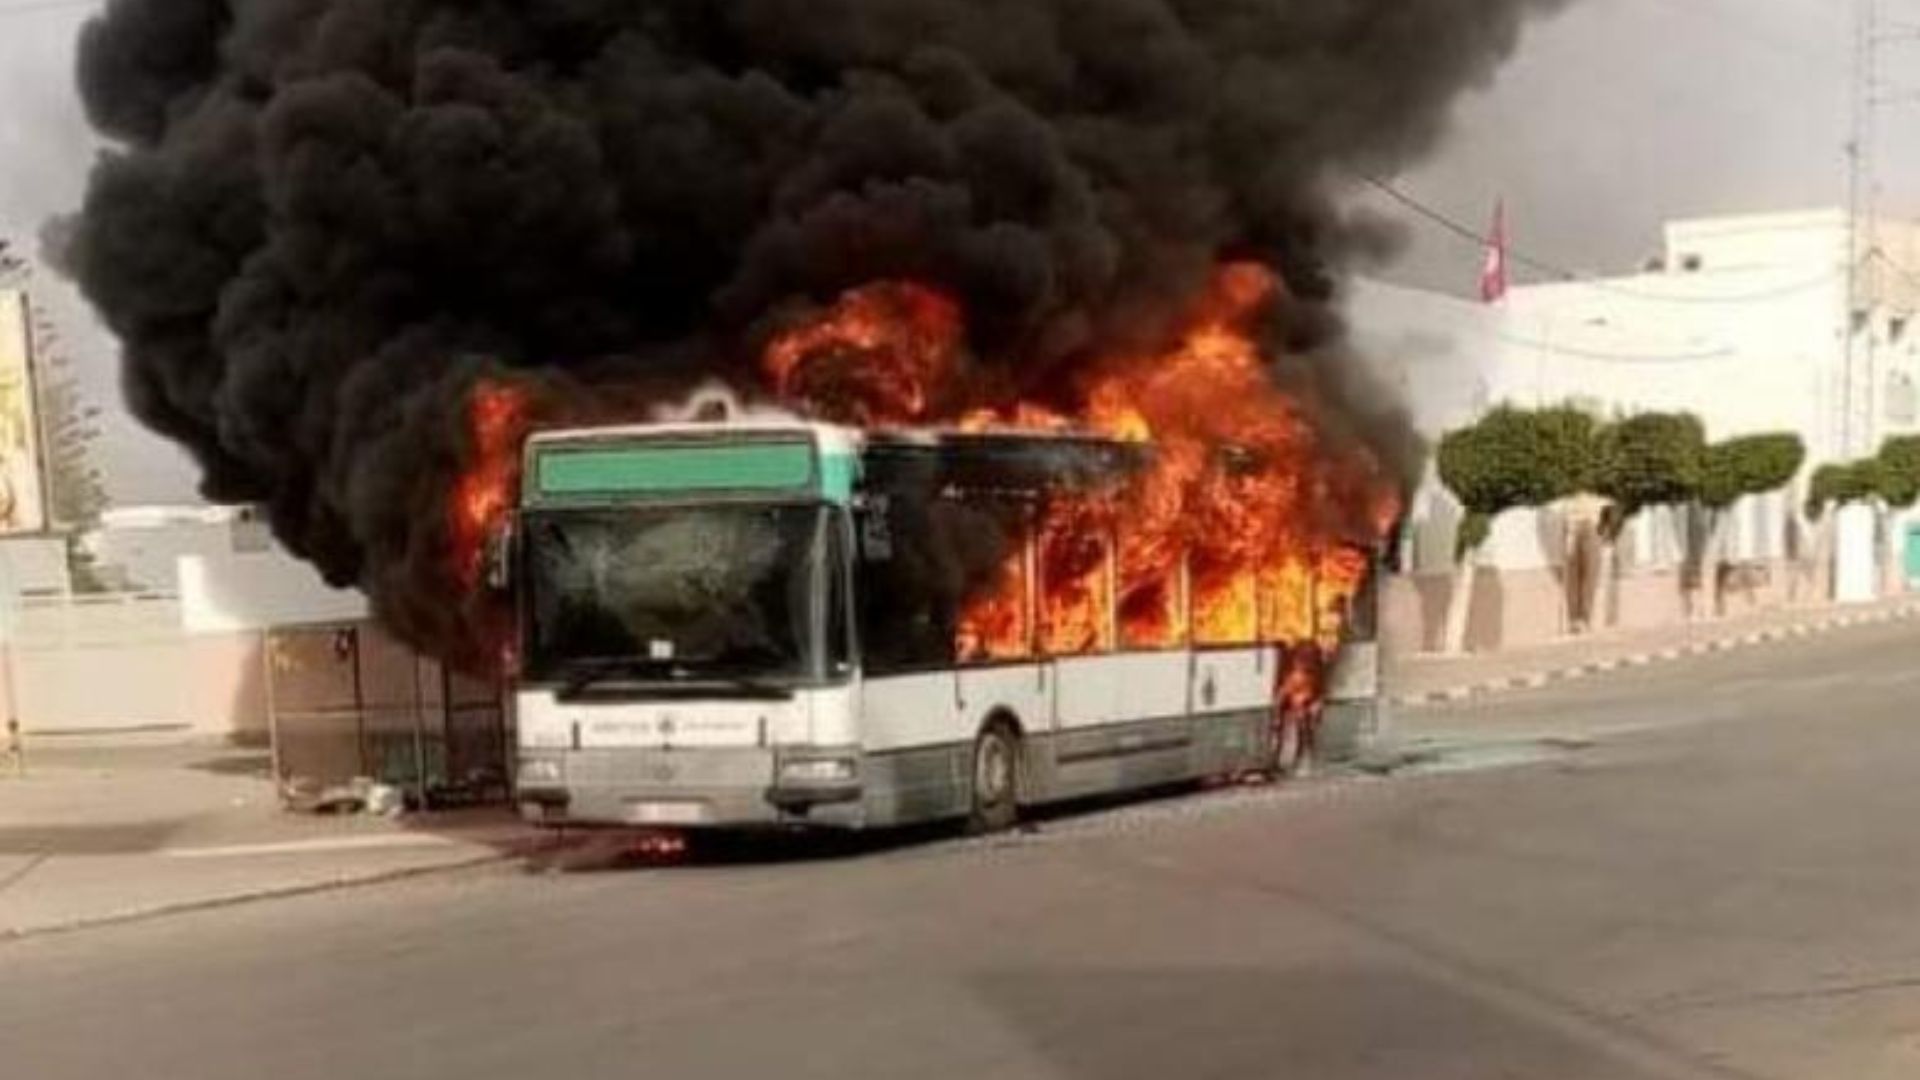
[[541, 771], [838, 770]]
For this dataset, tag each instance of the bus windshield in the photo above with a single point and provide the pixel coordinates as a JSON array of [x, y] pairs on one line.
[[680, 594]]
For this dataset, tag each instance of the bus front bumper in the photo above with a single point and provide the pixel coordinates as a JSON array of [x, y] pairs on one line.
[[698, 788]]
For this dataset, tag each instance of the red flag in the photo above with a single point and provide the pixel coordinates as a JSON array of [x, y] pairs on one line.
[[1493, 275]]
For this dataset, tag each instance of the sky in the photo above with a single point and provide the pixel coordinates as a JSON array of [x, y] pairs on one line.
[[1612, 118]]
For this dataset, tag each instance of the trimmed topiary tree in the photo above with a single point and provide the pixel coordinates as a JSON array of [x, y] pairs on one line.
[[1737, 469], [1897, 486], [1653, 459], [1644, 461], [1511, 459], [1751, 465], [1898, 483], [1842, 483], [1566, 447], [1888, 481]]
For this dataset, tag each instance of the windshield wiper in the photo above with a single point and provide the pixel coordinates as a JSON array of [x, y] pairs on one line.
[[583, 674], [669, 676], [752, 687]]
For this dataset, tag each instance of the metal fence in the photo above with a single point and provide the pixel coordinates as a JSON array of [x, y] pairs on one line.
[[339, 703], [349, 707]]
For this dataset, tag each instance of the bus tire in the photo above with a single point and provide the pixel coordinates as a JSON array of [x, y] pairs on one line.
[[995, 783]]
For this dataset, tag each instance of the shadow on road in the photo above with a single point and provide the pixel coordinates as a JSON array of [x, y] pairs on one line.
[[107, 839], [623, 850], [597, 851]]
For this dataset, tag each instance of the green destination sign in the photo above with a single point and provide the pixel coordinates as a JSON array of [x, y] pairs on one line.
[[570, 473]]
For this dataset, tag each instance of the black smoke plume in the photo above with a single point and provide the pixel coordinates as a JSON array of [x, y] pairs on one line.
[[325, 219]]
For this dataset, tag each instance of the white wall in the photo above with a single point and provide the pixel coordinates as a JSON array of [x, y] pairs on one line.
[[1751, 341], [195, 663], [33, 566], [241, 592], [1856, 567], [1766, 357]]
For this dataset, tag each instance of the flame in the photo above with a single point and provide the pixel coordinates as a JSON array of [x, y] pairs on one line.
[[1303, 682], [880, 354], [1244, 528], [1074, 546], [498, 419], [1238, 501], [994, 625]]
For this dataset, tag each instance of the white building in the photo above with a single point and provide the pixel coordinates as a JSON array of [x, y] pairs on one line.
[[139, 548], [1743, 321]]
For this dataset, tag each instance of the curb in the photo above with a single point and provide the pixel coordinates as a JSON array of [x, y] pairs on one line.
[[342, 883], [1542, 679]]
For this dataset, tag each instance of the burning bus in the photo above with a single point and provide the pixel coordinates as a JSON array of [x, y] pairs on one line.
[[803, 624], [1118, 231]]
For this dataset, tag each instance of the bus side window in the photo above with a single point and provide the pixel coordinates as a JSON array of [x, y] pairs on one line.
[[1151, 603], [903, 626], [1077, 593], [989, 557]]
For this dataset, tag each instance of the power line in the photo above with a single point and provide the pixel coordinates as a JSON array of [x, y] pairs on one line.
[[1722, 352], [1478, 239], [1452, 225]]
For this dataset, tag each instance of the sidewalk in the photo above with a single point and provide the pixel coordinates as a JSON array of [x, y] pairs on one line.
[[103, 831], [1436, 680]]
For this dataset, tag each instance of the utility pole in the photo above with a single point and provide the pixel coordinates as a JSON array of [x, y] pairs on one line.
[[1857, 329], [1867, 260]]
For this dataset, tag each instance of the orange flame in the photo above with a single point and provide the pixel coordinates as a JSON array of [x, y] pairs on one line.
[[498, 419], [1245, 528], [879, 355], [1303, 682]]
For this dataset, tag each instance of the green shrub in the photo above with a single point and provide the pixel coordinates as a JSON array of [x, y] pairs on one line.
[[1841, 483], [1752, 465], [1514, 458], [1899, 471], [1565, 451], [1654, 459]]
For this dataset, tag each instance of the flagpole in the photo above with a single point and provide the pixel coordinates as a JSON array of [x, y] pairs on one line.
[[1494, 276]]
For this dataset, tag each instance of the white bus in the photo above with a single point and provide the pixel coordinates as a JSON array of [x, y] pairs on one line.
[[760, 625]]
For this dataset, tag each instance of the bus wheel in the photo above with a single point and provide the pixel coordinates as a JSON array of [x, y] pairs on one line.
[[1291, 757], [996, 780]]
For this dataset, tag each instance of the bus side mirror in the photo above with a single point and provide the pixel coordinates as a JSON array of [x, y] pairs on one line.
[[499, 558]]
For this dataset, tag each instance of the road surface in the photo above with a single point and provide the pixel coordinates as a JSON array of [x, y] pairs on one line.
[[1707, 870]]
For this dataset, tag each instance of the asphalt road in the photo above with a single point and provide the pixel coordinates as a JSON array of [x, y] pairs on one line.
[[1706, 871]]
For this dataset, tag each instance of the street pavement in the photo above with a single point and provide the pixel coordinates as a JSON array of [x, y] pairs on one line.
[[1700, 870], [102, 830], [1422, 677]]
